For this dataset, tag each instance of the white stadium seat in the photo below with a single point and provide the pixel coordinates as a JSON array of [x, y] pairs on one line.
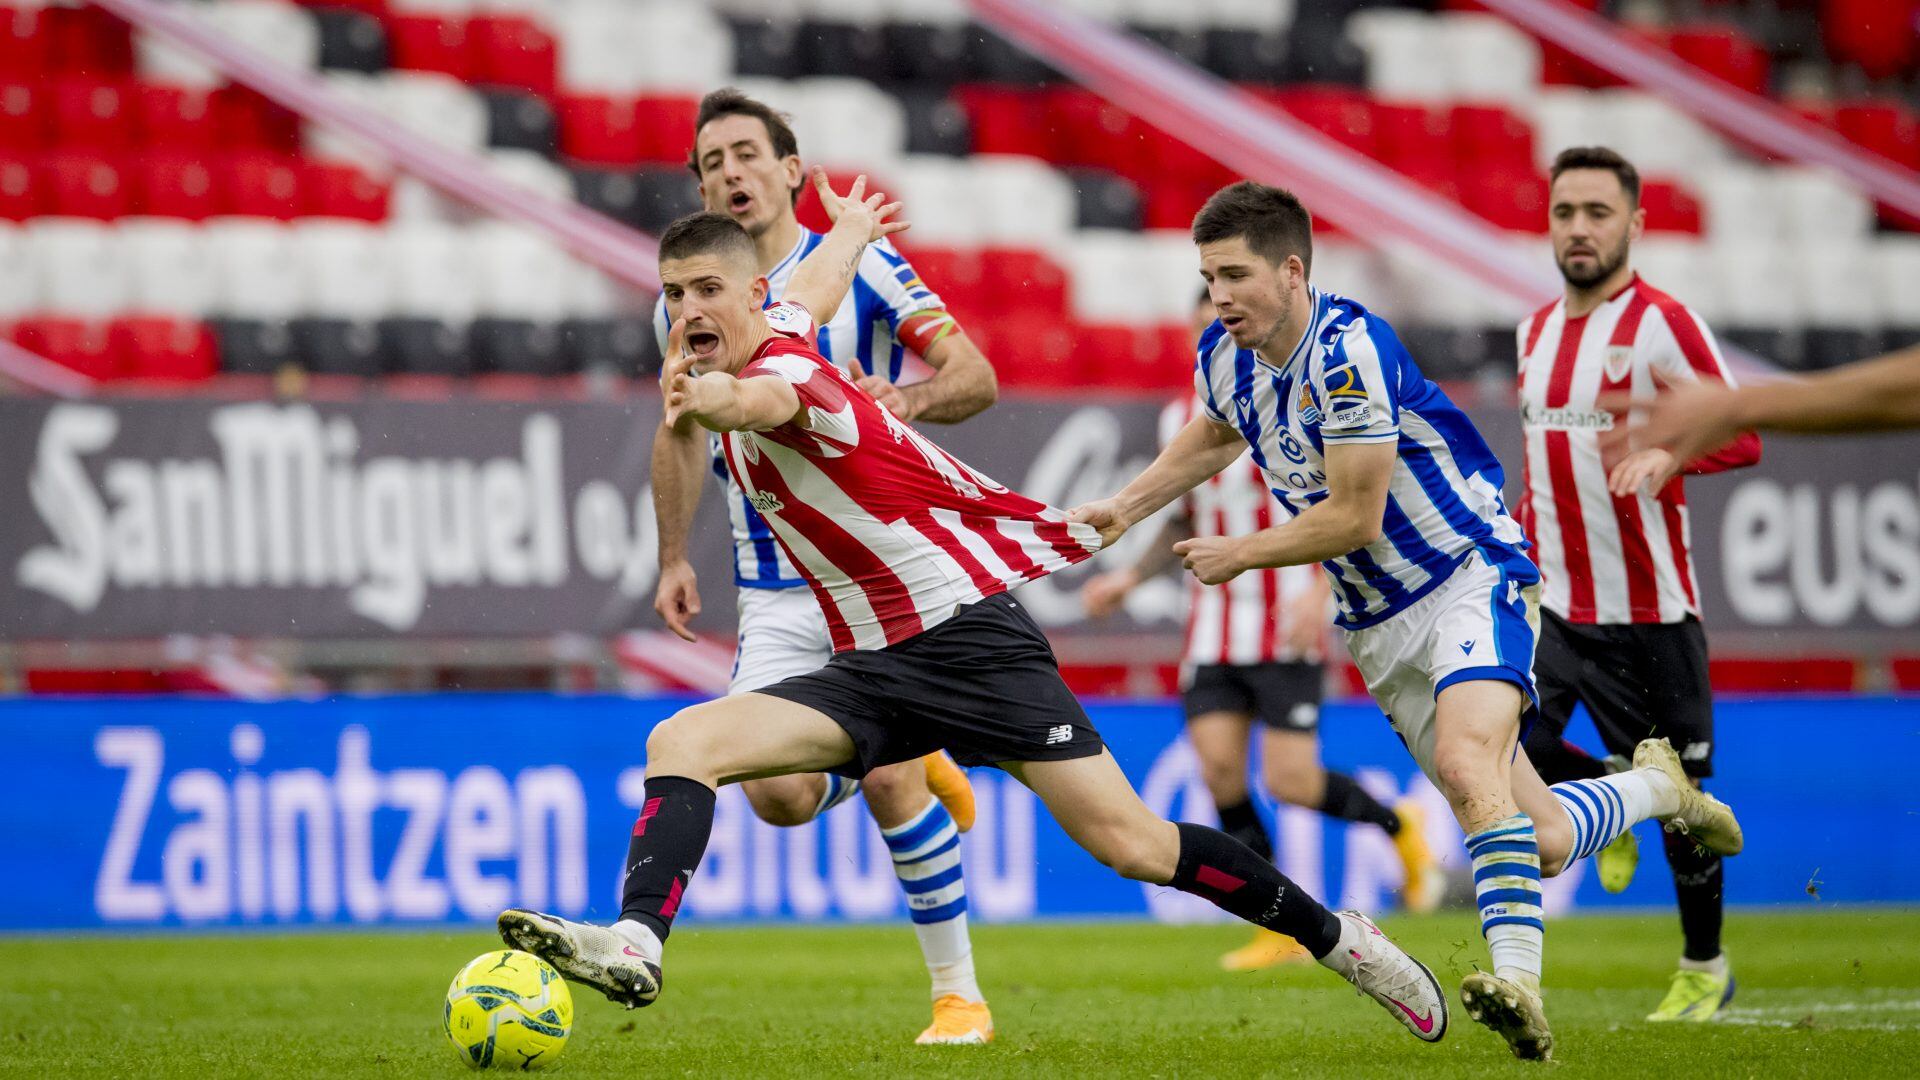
[[1739, 204], [282, 32], [327, 144], [19, 283], [937, 12], [1488, 58], [1684, 267], [1020, 201], [1837, 287], [1760, 284], [520, 274], [1111, 282], [436, 107], [1564, 117], [532, 171], [412, 199], [1256, 15], [1403, 60], [431, 271], [79, 267], [342, 269], [684, 49], [848, 122], [1895, 262], [253, 265], [1658, 138], [600, 47], [169, 269], [939, 201], [1819, 209]]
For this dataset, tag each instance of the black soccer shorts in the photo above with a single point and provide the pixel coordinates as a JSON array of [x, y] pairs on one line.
[[984, 686], [1283, 695], [1638, 681]]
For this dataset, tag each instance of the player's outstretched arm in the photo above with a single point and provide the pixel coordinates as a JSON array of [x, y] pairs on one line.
[[1348, 519], [1200, 450], [822, 279], [719, 402], [1690, 421]]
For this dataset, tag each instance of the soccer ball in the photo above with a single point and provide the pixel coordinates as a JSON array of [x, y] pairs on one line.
[[508, 1010]]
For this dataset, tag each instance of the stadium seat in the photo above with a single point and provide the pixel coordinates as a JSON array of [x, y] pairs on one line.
[[436, 106], [520, 120], [1033, 350], [342, 270], [518, 347], [513, 51], [1725, 53], [174, 350], [599, 130], [846, 122], [1104, 201], [23, 42], [766, 48], [24, 124], [342, 191], [251, 259], [87, 41], [286, 34], [665, 193], [1895, 264], [329, 346], [1025, 279], [1008, 120], [169, 270], [351, 40], [19, 278], [1019, 200], [1490, 136], [174, 185], [1670, 207], [23, 194], [259, 185], [666, 127], [936, 124], [90, 114], [246, 120], [83, 185], [432, 272], [253, 346], [415, 346], [177, 118], [599, 45], [930, 54], [430, 43], [81, 345], [520, 275], [623, 345], [828, 47], [79, 266]]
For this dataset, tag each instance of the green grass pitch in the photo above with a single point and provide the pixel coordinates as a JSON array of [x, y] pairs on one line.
[[1822, 993]]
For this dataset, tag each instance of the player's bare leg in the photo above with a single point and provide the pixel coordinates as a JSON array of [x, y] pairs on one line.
[[1219, 741], [1092, 800], [728, 740], [923, 837]]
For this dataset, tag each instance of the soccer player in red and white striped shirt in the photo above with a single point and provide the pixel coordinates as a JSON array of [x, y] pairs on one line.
[[1254, 651], [911, 554], [1621, 628]]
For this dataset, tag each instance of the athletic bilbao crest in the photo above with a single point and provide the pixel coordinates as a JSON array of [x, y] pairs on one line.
[[1619, 363]]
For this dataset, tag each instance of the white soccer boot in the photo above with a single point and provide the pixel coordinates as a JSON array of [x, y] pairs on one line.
[[623, 964], [1513, 1010], [1384, 972], [1706, 819]]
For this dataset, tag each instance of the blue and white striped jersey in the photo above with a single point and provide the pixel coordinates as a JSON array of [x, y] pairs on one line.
[[886, 290], [1350, 380]]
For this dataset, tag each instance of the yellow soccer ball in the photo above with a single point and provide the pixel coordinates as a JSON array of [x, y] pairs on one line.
[[508, 1010]]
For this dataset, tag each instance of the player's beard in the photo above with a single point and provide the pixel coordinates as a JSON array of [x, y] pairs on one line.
[[1604, 264]]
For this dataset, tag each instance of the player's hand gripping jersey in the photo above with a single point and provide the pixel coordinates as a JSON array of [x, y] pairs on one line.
[[1349, 380], [893, 534]]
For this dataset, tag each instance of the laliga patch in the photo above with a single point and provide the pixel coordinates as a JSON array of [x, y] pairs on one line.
[[789, 319]]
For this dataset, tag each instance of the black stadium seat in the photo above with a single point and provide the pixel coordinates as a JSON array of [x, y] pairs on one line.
[[337, 346], [623, 344], [518, 347], [424, 347], [666, 192], [1322, 53], [837, 48], [521, 121], [936, 124], [996, 59], [253, 347], [766, 49], [613, 192], [1783, 347], [929, 54], [1240, 56], [1831, 346], [351, 40], [1103, 200], [1187, 44]]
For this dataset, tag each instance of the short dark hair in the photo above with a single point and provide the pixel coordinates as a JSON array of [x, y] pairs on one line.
[[1271, 220], [1598, 157], [731, 101], [706, 231]]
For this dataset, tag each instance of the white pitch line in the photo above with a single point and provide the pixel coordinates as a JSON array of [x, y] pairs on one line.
[[1762, 1011]]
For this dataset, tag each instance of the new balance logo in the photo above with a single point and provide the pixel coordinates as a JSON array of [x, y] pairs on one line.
[[1467, 647], [1060, 733]]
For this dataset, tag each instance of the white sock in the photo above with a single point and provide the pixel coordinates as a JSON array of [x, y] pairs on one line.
[[1506, 882], [1602, 809], [926, 858], [948, 950], [1716, 966]]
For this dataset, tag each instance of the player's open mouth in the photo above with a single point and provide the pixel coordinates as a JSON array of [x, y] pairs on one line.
[[739, 201], [703, 343], [1232, 322]]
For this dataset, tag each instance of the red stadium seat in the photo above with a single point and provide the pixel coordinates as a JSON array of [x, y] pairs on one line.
[[254, 184], [23, 42], [88, 41], [1030, 349], [1026, 280], [91, 114], [1513, 199], [957, 275], [1087, 130], [666, 127], [1406, 134], [1724, 52], [245, 119], [599, 130], [1906, 672], [1670, 207], [430, 43], [174, 184], [1171, 204], [22, 195], [1883, 126], [1006, 120], [84, 185], [1340, 113], [512, 50], [24, 125], [1490, 137], [173, 117], [161, 348], [339, 190], [1877, 36], [83, 346], [1124, 356]]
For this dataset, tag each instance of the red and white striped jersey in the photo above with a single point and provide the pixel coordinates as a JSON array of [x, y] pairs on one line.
[[1245, 620], [1605, 558], [893, 534]]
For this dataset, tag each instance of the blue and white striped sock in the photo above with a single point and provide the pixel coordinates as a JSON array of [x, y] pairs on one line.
[[926, 858], [1602, 809], [1506, 881], [839, 790]]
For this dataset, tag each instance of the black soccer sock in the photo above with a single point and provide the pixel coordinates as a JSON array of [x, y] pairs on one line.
[[1347, 800], [1557, 760], [1242, 822], [1699, 882], [1243, 882], [669, 838]]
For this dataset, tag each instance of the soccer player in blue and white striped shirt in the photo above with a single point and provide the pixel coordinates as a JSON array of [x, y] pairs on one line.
[[1389, 488], [746, 159]]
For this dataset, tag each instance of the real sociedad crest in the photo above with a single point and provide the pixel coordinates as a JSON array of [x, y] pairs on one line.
[[1309, 412]]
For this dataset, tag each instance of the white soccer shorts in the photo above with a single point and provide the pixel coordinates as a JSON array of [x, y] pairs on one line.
[[782, 634], [1480, 623]]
